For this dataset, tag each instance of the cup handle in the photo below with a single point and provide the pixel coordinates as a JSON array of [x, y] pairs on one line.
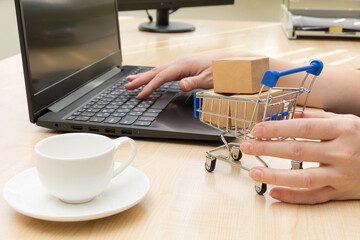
[[126, 163]]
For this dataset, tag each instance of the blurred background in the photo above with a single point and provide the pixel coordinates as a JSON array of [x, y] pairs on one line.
[[242, 10]]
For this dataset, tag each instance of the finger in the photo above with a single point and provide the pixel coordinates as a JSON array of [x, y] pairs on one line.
[[304, 196], [151, 73], [309, 151], [201, 81], [132, 77], [142, 78], [302, 178], [188, 84], [317, 114], [309, 128], [138, 82], [172, 73]]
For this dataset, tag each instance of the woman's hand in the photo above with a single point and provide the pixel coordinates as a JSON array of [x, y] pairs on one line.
[[194, 71], [337, 150]]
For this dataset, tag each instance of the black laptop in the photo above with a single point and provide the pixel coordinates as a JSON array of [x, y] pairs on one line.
[[75, 79]]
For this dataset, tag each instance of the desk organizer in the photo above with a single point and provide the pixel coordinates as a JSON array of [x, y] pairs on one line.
[[312, 22]]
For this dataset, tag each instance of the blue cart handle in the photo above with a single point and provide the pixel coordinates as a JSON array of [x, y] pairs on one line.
[[271, 77]]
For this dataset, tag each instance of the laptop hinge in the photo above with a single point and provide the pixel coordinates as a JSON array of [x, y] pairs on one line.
[[63, 103]]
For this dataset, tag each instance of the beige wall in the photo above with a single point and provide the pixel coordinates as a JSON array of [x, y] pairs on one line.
[[9, 43]]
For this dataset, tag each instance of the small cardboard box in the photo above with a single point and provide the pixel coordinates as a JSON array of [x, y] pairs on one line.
[[239, 75], [230, 111], [218, 110], [241, 118]]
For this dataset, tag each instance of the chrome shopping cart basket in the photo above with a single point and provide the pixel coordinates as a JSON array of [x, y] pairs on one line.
[[236, 115]]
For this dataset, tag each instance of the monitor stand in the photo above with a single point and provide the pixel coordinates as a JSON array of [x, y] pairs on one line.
[[162, 24]]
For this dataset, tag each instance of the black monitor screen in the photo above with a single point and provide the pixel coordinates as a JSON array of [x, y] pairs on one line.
[[64, 37], [164, 8], [126, 5]]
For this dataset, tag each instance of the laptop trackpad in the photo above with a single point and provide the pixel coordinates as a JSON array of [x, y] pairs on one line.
[[181, 102], [180, 113]]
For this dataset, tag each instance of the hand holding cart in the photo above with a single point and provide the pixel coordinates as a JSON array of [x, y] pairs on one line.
[[236, 115]]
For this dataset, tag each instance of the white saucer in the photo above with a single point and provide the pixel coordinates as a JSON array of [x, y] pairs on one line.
[[26, 195]]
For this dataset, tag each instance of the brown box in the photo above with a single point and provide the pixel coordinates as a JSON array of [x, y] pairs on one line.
[[230, 110], [243, 101], [219, 110], [239, 75]]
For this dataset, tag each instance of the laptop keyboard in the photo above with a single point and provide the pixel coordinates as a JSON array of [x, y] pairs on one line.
[[116, 105]]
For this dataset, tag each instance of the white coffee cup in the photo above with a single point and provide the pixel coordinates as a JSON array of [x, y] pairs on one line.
[[76, 167]]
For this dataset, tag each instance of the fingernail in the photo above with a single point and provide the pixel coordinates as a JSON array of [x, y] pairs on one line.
[[185, 84], [258, 131], [275, 194], [256, 174], [247, 147]]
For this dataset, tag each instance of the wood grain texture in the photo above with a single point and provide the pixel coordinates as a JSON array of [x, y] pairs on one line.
[[184, 201]]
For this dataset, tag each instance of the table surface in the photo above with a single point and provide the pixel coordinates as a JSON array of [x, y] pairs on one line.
[[184, 201]]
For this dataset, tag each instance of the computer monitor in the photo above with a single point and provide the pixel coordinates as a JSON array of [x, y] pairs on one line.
[[163, 9]]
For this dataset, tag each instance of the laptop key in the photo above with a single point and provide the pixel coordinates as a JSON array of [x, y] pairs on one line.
[[118, 114], [99, 106], [102, 114], [147, 114], [97, 119], [108, 110], [82, 118], [110, 106], [139, 109], [135, 113], [151, 110], [147, 119], [143, 105], [128, 120], [112, 120], [123, 110], [134, 101], [163, 101], [127, 106], [147, 101], [174, 90], [87, 114], [142, 123], [93, 110]]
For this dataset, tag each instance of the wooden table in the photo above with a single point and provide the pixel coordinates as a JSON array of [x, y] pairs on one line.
[[184, 201]]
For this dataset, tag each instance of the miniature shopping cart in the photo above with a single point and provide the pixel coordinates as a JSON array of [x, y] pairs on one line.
[[235, 115]]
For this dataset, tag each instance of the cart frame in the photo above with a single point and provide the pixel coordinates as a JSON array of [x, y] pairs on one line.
[[210, 109]]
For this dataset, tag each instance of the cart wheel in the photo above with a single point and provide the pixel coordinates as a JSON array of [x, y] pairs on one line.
[[236, 154], [210, 163], [260, 189]]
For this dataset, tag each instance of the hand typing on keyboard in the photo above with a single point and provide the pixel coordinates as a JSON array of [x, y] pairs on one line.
[[115, 105], [192, 71]]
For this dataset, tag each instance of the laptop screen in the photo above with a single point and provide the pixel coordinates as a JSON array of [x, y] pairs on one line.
[[66, 43]]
